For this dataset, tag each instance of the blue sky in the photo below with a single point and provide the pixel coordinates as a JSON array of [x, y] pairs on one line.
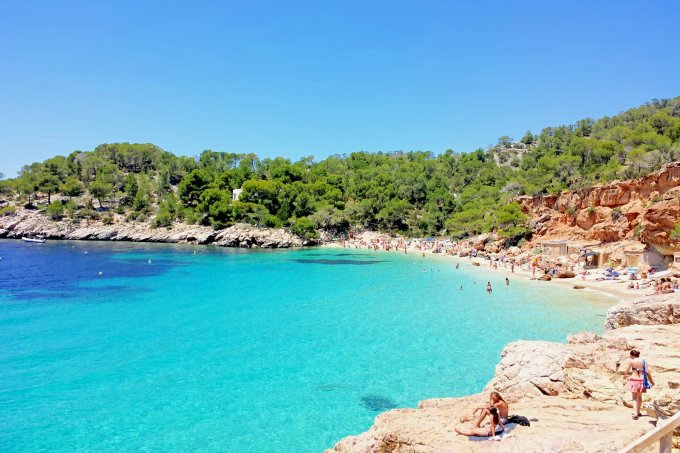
[[317, 78]]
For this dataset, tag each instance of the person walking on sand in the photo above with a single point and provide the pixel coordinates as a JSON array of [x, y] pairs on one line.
[[488, 287], [638, 375]]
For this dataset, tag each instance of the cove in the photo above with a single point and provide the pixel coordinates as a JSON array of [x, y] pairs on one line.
[[203, 348]]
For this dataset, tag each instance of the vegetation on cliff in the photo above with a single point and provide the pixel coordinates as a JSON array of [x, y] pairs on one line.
[[413, 193]]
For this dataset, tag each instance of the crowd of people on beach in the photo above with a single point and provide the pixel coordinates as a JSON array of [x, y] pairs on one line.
[[536, 265]]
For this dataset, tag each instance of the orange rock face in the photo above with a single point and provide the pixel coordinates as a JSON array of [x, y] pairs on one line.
[[646, 208]]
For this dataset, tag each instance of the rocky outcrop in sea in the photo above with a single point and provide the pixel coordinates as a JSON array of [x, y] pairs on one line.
[[573, 393], [26, 222]]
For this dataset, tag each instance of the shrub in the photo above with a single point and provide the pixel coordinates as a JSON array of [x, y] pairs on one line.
[[304, 228], [570, 211], [271, 221], [514, 235], [162, 219], [675, 232], [71, 209], [637, 230], [8, 210], [55, 210], [87, 213], [191, 217], [108, 219]]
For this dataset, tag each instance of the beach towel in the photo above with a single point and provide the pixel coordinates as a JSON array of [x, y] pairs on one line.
[[508, 427]]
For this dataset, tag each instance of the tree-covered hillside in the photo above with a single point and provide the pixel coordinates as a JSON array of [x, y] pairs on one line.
[[414, 193]]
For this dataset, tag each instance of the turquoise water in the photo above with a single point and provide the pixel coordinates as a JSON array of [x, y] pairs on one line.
[[208, 349]]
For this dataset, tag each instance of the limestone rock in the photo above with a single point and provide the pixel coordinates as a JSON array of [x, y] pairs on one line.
[[567, 274], [559, 426], [27, 222], [530, 368], [660, 309]]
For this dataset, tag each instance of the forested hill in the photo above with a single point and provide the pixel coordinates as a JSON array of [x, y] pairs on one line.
[[414, 193]]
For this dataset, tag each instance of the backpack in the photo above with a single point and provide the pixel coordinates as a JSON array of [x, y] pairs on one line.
[[519, 419]]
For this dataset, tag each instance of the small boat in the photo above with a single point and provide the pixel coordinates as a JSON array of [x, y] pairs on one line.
[[38, 239]]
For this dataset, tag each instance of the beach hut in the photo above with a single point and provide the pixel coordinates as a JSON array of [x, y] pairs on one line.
[[591, 260], [633, 256], [676, 260], [577, 247], [554, 247]]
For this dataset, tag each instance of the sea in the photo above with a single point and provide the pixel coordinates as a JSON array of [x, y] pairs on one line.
[[110, 347]]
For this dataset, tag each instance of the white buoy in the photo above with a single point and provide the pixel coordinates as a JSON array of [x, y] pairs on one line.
[[101, 273], [149, 261]]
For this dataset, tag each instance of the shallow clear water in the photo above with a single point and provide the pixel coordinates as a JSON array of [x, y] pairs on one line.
[[210, 349]]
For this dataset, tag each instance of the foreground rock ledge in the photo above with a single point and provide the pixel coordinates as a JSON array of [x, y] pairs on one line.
[[27, 222], [573, 390]]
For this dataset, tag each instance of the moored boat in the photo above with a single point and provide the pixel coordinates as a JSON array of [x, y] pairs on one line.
[[38, 239]]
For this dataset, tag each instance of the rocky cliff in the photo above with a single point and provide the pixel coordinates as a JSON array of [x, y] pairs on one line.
[[26, 222], [661, 309], [646, 209], [573, 393]]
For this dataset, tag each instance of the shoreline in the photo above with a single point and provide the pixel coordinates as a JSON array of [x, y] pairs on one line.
[[603, 288], [28, 223], [584, 367]]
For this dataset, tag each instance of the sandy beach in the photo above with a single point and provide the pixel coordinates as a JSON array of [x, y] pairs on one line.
[[616, 289]]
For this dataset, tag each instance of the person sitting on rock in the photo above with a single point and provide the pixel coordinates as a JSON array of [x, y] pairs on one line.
[[495, 427], [495, 401]]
